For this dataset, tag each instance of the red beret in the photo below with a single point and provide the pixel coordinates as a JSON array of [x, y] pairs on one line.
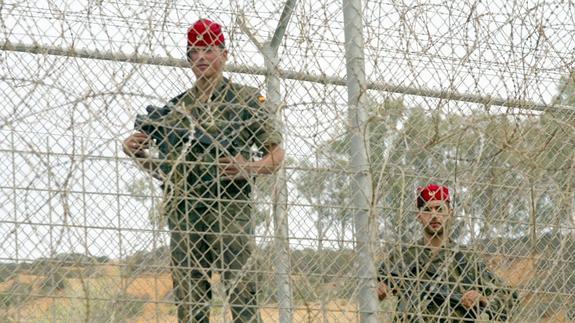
[[431, 192], [204, 33]]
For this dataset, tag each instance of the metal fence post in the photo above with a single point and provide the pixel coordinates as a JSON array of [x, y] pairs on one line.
[[280, 212], [361, 180], [280, 197]]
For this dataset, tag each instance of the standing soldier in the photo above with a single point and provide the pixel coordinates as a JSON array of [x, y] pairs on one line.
[[206, 137], [437, 280]]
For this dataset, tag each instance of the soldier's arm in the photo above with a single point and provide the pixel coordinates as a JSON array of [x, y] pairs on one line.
[[501, 297], [382, 288], [239, 167], [391, 274], [270, 162], [136, 146], [267, 136]]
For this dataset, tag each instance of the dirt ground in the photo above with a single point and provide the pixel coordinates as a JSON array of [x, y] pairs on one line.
[[91, 295]]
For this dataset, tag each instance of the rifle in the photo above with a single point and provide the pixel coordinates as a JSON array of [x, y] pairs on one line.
[[435, 293], [166, 136], [152, 125]]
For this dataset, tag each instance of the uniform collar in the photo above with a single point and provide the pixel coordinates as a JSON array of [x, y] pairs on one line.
[[449, 245], [219, 90]]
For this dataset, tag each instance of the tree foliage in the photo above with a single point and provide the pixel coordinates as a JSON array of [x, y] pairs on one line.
[[510, 170]]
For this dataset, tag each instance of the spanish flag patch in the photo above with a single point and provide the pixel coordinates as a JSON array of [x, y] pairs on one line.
[[262, 99]]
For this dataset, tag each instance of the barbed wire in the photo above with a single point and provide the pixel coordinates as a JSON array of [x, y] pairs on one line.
[[476, 96]]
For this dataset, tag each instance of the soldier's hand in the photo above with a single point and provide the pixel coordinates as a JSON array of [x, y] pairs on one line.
[[382, 291], [136, 144], [234, 168], [472, 298]]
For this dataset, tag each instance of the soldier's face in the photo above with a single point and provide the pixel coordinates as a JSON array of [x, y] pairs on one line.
[[207, 61], [435, 217]]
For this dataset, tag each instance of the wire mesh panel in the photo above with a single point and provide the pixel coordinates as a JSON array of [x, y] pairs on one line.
[[241, 202]]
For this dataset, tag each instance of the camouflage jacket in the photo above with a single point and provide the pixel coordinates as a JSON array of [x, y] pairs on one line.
[[193, 135], [430, 286]]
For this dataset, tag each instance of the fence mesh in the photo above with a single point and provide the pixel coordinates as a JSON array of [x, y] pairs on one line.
[[477, 96]]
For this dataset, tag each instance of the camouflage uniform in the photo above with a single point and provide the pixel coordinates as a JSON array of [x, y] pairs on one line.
[[209, 216], [430, 287]]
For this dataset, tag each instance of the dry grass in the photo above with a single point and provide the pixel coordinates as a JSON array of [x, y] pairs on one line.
[[155, 288]]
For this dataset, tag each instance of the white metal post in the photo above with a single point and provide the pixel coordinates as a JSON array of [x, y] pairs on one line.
[[361, 179]]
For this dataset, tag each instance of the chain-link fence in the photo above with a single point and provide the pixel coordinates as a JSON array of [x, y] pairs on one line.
[[368, 100]]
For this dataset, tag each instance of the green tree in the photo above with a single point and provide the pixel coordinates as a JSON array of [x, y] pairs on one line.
[[507, 167], [144, 190]]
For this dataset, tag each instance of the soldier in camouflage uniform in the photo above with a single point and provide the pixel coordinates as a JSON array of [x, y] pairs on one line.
[[206, 138], [437, 280]]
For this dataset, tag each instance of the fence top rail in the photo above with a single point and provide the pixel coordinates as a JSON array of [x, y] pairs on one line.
[[291, 75]]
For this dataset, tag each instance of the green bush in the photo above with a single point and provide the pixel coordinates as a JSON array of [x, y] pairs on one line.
[[103, 259], [67, 265], [84, 272], [152, 262], [54, 281], [121, 308], [17, 294], [7, 271], [129, 306]]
